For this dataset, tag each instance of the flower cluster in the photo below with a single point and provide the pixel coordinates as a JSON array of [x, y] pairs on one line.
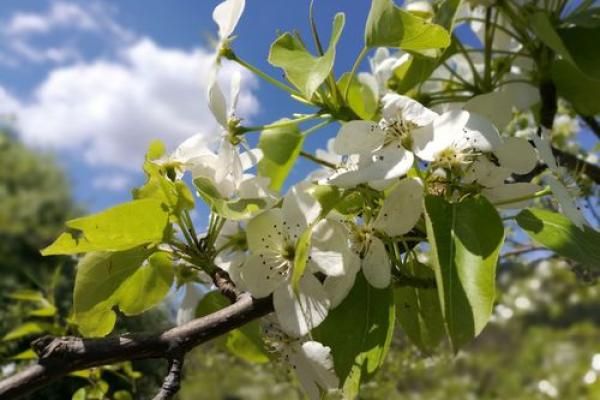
[[307, 253]]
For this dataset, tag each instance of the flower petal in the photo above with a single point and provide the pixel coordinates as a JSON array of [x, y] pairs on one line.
[[260, 274], [479, 134], [330, 251], [216, 101], [249, 159], [376, 265], [313, 365], [299, 209], [187, 309], [510, 191], [226, 15], [265, 231], [299, 313], [358, 137], [402, 208], [543, 144], [497, 107], [517, 155], [431, 139], [567, 204], [338, 287], [398, 107]]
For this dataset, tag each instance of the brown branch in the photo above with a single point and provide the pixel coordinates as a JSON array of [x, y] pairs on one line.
[[172, 381], [60, 356], [593, 124]]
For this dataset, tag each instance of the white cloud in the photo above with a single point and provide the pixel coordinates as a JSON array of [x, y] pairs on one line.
[[108, 111], [18, 34]]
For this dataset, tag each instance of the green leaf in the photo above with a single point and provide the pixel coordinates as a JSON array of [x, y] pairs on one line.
[[134, 281], [577, 45], [359, 332], [281, 147], [559, 234], [361, 97], [418, 310], [301, 68], [331, 197], [122, 227], [301, 255], [27, 295], [49, 311], [544, 29], [390, 26], [28, 354], [577, 88], [245, 342], [464, 253], [156, 150], [583, 48], [236, 209], [27, 329]]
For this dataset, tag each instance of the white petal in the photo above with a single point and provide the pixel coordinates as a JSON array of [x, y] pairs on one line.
[[216, 102], [524, 95], [257, 187], [192, 147], [314, 365], [376, 265], [543, 145], [430, 140], [260, 274], [330, 251], [510, 191], [299, 313], [393, 160], [479, 134], [495, 106], [264, 232], [358, 137], [232, 263], [338, 287], [226, 15], [566, 202], [486, 173], [402, 208], [187, 309], [299, 209], [235, 91], [249, 159], [399, 107], [517, 155]]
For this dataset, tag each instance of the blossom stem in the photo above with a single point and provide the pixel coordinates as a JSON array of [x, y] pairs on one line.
[[360, 57], [264, 76], [316, 159], [541, 193], [281, 124], [315, 128]]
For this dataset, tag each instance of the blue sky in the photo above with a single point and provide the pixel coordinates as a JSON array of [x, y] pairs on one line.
[[94, 82]]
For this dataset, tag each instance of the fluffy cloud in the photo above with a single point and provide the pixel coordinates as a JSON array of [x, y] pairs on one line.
[[108, 111], [19, 33]]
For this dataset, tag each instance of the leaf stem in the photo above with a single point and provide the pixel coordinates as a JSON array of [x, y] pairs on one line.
[[318, 126], [271, 80], [281, 124], [541, 193], [317, 160], [360, 57]]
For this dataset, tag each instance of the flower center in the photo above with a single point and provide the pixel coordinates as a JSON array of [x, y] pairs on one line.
[[398, 130]]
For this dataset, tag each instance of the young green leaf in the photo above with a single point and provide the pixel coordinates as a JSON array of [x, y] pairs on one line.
[[361, 97], [559, 234], [281, 147], [359, 332], [236, 209], [418, 310], [301, 68], [134, 281], [122, 227], [27, 329], [390, 26], [464, 253]]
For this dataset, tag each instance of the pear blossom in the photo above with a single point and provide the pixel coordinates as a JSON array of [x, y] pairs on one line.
[[272, 239], [310, 360], [383, 66], [227, 15], [232, 247]]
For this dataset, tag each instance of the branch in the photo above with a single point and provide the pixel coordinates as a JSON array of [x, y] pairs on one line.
[[593, 124], [60, 356], [172, 381]]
